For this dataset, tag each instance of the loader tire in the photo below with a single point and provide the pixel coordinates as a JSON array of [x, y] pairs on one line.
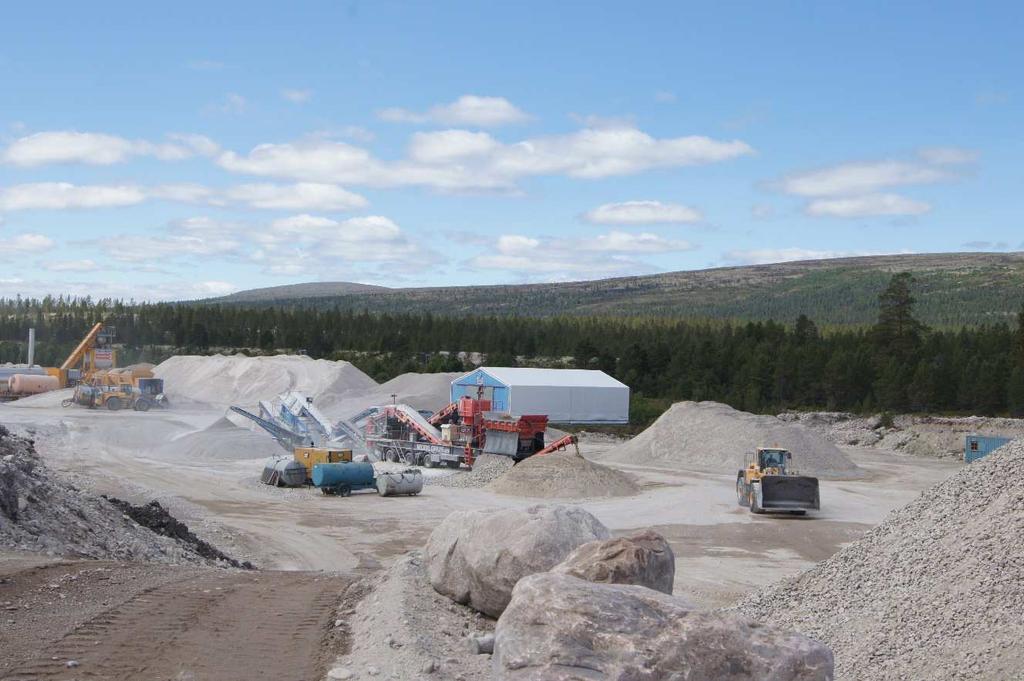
[[755, 508], [741, 494], [142, 405], [114, 404]]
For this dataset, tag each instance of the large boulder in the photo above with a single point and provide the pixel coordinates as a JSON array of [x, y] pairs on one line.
[[561, 628], [476, 557], [643, 558]]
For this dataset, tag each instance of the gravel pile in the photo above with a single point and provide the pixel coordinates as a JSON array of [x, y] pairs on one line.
[[486, 469], [401, 628], [41, 511], [563, 475], [242, 380], [713, 437], [934, 592], [916, 435]]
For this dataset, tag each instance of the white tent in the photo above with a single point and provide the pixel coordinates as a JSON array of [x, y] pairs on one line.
[[565, 395]]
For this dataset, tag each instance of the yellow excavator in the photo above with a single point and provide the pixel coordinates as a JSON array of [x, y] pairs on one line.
[[769, 484]]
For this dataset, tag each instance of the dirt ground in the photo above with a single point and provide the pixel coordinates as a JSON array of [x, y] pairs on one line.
[[163, 622]]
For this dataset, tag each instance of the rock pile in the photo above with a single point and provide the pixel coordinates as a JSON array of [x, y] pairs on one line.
[[486, 469], [476, 557], [713, 437], [934, 592], [561, 628], [41, 511], [563, 475]]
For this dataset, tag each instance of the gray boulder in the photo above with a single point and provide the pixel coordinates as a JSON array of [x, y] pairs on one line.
[[643, 558], [561, 628], [476, 557]]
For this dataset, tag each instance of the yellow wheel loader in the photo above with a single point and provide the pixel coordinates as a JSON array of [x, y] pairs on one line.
[[769, 484]]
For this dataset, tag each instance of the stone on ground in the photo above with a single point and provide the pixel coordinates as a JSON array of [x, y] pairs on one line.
[[476, 557], [643, 558], [561, 628]]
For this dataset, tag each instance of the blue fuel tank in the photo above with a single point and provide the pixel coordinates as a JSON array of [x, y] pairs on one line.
[[355, 474]]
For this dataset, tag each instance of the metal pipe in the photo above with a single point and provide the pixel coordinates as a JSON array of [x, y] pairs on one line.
[[31, 346]]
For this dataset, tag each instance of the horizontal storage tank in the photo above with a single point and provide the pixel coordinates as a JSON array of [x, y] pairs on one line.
[[25, 384], [355, 475], [283, 472], [409, 481]]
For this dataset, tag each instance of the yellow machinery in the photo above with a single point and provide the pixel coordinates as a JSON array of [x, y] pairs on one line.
[[769, 484], [114, 389], [95, 352], [310, 456]]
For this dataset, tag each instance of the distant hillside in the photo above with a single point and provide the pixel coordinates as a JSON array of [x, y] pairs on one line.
[[329, 289], [953, 289]]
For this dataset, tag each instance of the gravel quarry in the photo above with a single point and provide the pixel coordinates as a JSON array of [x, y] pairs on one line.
[[934, 592], [203, 469]]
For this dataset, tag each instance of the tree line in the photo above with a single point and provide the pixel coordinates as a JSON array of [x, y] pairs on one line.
[[896, 365]]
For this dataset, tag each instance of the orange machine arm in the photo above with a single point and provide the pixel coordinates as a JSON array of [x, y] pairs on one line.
[[83, 347], [561, 445]]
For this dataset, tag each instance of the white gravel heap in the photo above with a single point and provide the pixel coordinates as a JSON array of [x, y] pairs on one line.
[[563, 475], [934, 592], [713, 437], [486, 468], [242, 380]]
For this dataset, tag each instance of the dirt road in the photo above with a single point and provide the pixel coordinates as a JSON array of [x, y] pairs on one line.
[[111, 621]]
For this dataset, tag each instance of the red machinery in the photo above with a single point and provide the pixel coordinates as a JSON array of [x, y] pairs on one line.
[[456, 434]]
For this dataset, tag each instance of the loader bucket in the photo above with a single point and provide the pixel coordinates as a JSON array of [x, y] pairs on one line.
[[789, 493]]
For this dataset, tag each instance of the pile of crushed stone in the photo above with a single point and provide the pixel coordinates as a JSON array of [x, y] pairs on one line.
[[714, 437], [157, 519], [913, 434], [41, 511], [486, 469], [401, 628], [430, 392], [242, 380], [934, 592], [563, 475]]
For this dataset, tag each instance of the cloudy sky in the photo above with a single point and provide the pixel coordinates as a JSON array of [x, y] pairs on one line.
[[201, 148]]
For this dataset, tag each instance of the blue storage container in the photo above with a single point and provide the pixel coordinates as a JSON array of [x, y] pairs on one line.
[[977, 446], [343, 478]]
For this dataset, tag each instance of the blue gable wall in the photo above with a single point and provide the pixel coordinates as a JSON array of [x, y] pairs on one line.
[[495, 390]]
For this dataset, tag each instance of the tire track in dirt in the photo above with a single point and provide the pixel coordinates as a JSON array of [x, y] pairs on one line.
[[215, 626]]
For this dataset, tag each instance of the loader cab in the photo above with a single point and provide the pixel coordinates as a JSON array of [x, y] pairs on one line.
[[770, 457]]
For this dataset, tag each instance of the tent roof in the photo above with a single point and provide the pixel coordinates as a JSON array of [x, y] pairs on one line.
[[578, 378]]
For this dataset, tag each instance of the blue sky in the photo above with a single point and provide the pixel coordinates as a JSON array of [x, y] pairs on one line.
[[166, 153]]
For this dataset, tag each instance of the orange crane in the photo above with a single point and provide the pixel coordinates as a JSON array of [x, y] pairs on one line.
[[92, 353]]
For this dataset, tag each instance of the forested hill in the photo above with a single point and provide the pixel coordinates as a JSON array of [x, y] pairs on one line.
[[952, 289]]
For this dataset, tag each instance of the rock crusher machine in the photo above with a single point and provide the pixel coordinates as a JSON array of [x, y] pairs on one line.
[[453, 436]]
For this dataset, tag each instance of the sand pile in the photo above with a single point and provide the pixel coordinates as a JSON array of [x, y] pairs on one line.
[[244, 381], [222, 441], [486, 469], [713, 437], [422, 391], [563, 475], [43, 400], [934, 592]]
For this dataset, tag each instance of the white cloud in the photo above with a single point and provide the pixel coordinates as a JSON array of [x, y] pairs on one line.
[[297, 96], [947, 155], [866, 206], [299, 196], [85, 265], [26, 243], [565, 259], [861, 178], [764, 256], [68, 146], [62, 195], [664, 96], [478, 162], [473, 110], [214, 288], [232, 103], [641, 213]]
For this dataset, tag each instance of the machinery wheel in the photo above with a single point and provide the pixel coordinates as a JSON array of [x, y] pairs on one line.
[[114, 403], [344, 490], [408, 458], [741, 494], [754, 507], [142, 405], [427, 461], [392, 456], [66, 403]]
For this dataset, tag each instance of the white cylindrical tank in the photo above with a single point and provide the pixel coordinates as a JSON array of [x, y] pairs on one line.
[[409, 481], [24, 384]]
